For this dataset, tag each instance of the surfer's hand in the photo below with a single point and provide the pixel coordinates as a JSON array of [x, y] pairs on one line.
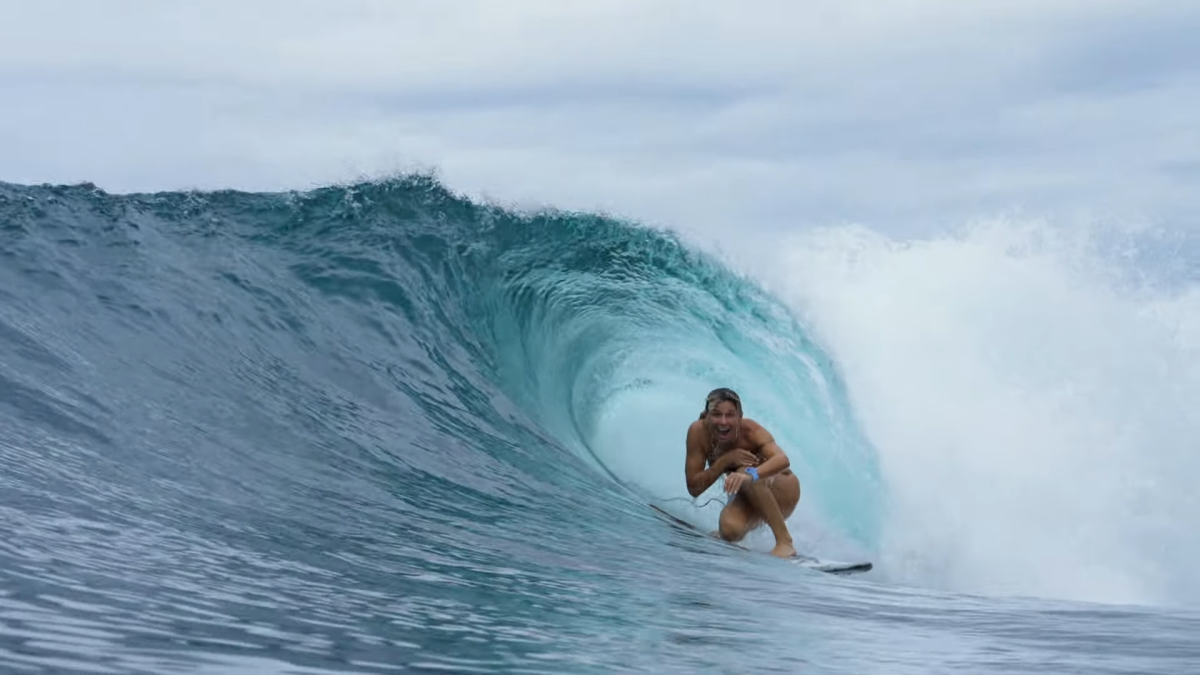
[[737, 459], [736, 480]]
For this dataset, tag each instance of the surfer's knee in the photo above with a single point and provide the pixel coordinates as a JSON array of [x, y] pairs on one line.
[[734, 524], [731, 531], [786, 490], [751, 488]]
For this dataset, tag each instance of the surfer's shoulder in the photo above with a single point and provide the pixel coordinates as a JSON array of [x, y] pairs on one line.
[[755, 433], [696, 433]]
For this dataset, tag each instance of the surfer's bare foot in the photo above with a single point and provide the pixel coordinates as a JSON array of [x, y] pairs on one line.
[[784, 550]]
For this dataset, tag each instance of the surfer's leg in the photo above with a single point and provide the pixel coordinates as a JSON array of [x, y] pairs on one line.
[[737, 518], [773, 500], [785, 486]]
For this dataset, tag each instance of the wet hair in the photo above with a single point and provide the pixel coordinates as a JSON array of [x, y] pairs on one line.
[[722, 394]]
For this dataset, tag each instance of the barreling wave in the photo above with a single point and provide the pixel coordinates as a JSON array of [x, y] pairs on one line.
[[237, 345], [379, 425]]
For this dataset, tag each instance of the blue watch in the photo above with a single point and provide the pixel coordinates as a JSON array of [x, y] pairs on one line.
[[753, 471]]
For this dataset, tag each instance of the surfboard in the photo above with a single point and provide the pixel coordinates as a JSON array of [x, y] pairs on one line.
[[828, 566], [833, 566]]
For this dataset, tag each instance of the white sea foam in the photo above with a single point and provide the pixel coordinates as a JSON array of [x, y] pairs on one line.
[[1032, 398]]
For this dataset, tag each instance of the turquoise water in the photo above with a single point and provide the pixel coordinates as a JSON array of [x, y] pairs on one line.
[[381, 428]]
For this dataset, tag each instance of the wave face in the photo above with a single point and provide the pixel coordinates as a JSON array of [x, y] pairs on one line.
[[380, 426], [372, 424]]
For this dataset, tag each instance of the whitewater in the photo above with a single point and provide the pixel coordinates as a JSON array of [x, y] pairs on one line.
[[382, 427]]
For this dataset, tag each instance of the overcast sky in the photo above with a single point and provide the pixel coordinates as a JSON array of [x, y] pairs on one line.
[[695, 114]]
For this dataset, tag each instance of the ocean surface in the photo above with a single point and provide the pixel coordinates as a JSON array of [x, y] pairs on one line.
[[379, 427]]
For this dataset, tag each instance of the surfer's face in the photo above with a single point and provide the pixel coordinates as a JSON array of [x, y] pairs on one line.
[[723, 420]]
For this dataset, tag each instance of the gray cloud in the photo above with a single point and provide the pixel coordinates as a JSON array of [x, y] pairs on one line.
[[703, 116]]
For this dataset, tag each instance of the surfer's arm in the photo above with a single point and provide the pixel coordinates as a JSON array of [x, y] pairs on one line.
[[699, 479], [774, 458]]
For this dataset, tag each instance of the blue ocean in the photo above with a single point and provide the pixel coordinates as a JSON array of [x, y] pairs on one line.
[[382, 427]]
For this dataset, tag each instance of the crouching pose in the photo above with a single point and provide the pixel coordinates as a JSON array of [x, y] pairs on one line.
[[757, 477]]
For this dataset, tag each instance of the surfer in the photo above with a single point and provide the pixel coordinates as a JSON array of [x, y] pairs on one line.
[[757, 478]]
